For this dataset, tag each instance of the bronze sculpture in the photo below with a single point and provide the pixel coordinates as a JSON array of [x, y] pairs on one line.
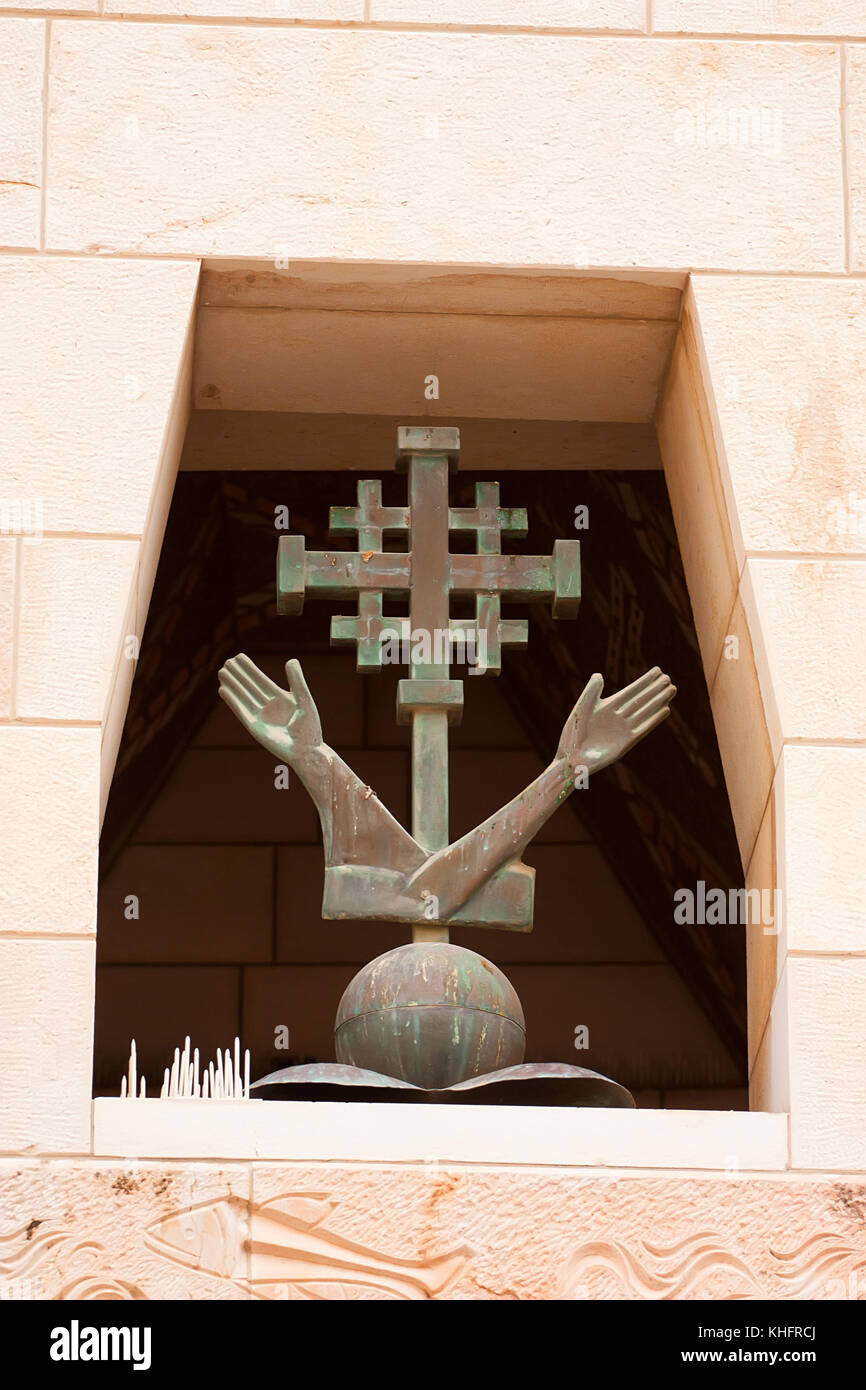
[[431, 1015]]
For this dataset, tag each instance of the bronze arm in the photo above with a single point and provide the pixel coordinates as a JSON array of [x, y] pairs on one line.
[[356, 827], [596, 733], [359, 830]]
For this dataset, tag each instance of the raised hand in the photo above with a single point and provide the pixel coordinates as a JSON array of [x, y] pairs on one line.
[[356, 827], [358, 830], [598, 731], [286, 722]]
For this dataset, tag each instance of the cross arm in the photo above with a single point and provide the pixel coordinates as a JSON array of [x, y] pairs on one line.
[[526, 578], [506, 521], [335, 574], [342, 574]]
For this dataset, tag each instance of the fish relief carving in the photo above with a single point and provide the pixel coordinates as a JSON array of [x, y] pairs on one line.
[[282, 1249]]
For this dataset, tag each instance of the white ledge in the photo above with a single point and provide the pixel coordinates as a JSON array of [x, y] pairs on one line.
[[333, 1131]]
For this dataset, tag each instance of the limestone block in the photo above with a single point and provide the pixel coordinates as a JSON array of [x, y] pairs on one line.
[[122, 1231], [823, 811], [296, 143], [8, 567], [46, 1036], [785, 362], [257, 283], [541, 14], [835, 18], [118, 699], [72, 7], [807, 619], [50, 781], [763, 956], [286, 10], [855, 87], [22, 52], [89, 356], [593, 1236], [176, 425], [560, 1137], [78, 603], [697, 500], [172, 1230], [498, 365], [827, 1005], [770, 1075], [741, 727]]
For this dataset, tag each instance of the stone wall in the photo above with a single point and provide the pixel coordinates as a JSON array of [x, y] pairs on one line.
[[721, 139], [307, 1231]]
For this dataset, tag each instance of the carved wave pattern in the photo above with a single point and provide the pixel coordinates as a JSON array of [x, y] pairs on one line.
[[25, 1252], [822, 1267]]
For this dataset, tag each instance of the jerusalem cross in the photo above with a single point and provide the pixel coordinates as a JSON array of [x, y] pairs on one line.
[[373, 867]]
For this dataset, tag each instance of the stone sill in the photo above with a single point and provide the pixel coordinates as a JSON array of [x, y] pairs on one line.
[[329, 1131]]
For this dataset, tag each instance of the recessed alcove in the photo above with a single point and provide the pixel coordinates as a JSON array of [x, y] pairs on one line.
[[299, 382]]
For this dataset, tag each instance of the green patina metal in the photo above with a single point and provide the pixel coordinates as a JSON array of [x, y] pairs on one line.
[[429, 575], [418, 1014], [437, 1012]]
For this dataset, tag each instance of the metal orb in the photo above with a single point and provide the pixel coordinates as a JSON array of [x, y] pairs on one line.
[[432, 1014]]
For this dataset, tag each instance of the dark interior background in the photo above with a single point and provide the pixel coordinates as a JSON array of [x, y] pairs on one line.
[[227, 869]]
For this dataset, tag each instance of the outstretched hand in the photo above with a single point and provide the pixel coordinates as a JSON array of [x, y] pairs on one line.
[[598, 731], [286, 722]]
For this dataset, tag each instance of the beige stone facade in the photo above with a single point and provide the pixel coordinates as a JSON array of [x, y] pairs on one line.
[[675, 194]]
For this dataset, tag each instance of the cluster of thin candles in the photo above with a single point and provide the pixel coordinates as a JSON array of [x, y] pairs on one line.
[[186, 1080]]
